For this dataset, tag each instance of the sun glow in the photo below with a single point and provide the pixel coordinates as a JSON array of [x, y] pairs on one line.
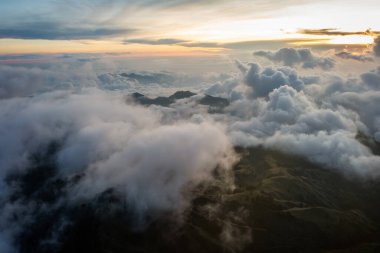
[[352, 39]]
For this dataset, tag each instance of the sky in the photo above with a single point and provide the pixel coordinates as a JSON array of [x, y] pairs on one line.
[[296, 76], [182, 27]]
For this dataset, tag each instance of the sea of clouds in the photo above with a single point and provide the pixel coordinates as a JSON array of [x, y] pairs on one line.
[[155, 157]]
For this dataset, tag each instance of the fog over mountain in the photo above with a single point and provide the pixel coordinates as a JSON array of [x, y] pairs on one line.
[[82, 152]]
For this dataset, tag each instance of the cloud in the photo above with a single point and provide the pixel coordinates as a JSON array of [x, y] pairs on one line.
[[269, 44], [335, 31], [291, 57], [202, 44], [238, 45], [155, 42], [358, 95], [5, 57], [365, 105], [224, 88], [376, 47], [18, 81], [58, 31], [55, 58], [155, 83], [291, 122], [150, 77], [317, 117], [235, 235], [333, 150], [350, 56], [107, 144], [372, 79], [263, 81], [77, 71], [156, 166], [154, 160]]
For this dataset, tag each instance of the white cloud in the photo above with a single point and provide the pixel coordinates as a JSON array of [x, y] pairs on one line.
[[321, 128], [154, 157], [153, 166], [376, 47], [263, 81], [292, 57]]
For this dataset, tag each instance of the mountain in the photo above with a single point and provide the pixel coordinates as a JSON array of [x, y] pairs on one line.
[[280, 203], [215, 104], [182, 94], [162, 101]]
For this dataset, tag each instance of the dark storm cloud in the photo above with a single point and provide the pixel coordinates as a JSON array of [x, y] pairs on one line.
[[350, 56], [292, 56], [58, 31]]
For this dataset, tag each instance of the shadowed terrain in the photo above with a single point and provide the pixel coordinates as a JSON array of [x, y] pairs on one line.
[[281, 203]]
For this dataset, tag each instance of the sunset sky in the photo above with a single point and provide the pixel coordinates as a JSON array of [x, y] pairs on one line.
[[197, 126], [182, 27]]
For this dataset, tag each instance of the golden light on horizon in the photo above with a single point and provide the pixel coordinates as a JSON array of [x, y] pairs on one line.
[[14, 46], [353, 39]]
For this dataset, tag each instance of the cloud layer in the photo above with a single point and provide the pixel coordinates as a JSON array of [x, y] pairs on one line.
[[72, 122], [291, 122], [291, 57], [56, 31], [110, 145], [356, 57], [263, 81], [376, 47]]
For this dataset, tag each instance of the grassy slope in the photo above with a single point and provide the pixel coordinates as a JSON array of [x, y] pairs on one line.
[[281, 203]]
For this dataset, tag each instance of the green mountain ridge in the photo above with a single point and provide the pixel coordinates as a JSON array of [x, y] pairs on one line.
[[281, 203]]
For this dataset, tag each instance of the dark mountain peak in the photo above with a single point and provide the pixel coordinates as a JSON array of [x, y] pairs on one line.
[[214, 101], [216, 104], [136, 95], [182, 94], [162, 101]]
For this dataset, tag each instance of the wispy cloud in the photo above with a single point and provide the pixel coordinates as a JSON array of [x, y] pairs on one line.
[[238, 45], [357, 57], [58, 31], [293, 56], [154, 42], [336, 32]]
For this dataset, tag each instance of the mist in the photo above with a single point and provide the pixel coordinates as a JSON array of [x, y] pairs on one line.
[[80, 127]]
